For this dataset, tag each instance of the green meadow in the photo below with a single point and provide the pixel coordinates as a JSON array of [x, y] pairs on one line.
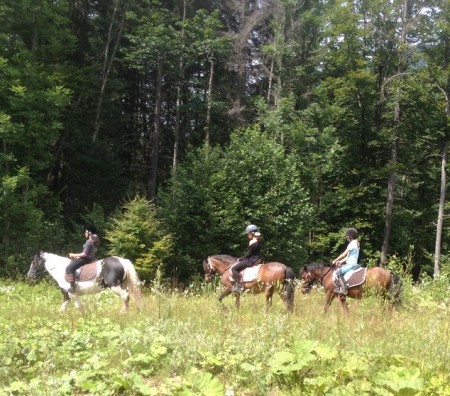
[[185, 343]]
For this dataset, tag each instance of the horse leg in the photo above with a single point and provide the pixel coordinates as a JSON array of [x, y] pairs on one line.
[[225, 293], [65, 302], [238, 300], [328, 300], [269, 290], [343, 300], [123, 294]]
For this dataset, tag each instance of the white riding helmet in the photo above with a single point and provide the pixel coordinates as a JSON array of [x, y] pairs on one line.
[[251, 228]]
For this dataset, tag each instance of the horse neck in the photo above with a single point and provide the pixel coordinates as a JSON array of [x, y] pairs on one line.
[[322, 272], [219, 265], [53, 261]]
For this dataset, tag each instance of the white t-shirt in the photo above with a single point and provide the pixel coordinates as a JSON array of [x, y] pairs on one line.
[[353, 252]]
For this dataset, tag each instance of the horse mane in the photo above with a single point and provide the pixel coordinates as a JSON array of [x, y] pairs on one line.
[[225, 257], [315, 266]]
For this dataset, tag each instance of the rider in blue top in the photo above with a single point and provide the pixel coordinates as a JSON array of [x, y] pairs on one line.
[[347, 260]]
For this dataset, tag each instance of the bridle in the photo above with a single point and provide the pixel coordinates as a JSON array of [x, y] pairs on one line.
[[210, 271], [41, 265], [309, 280]]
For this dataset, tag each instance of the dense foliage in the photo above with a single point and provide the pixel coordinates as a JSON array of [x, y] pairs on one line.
[[302, 117], [184, 344]]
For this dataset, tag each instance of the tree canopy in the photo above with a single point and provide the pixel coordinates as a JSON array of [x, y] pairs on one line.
[[303, 117]]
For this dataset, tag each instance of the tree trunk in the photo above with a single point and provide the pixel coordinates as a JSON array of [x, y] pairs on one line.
[[80, 20], [156, 131], [107, 64], [209, 104], [392, 182], [176, 143], [389, 209], [440, 222]]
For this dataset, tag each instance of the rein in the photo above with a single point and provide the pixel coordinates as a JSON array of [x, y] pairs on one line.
[[40, 272], [326, 273], [212, 269], [319, 280]]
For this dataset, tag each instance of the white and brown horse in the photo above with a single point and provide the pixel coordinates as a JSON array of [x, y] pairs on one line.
[[116, 273]]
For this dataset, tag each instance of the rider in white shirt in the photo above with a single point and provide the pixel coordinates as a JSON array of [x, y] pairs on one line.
[[347, 260]]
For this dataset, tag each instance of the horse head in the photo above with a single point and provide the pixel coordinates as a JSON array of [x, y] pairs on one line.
[[210, 271], [37, 267], [307, 280], [312, 273]]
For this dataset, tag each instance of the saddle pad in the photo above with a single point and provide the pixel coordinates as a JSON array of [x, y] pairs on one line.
[[86, 272], [353, 278], [248, 274]]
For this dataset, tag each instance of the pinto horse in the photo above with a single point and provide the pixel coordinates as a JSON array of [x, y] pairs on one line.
[[380, 280], [116, 273], [269, 278]]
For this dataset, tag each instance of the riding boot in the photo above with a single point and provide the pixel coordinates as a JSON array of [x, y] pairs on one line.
[[342, 289], [237, 286], [73, 287]]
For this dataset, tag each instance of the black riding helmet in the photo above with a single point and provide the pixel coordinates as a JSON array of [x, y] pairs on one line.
[[91, 229], [351, 232]]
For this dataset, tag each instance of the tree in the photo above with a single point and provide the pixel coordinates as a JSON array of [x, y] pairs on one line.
[[136, 233], [214, 195], [33, 99]]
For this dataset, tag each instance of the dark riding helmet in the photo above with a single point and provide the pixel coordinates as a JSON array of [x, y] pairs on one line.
[[91, 229], [251, 228], [351, 232]]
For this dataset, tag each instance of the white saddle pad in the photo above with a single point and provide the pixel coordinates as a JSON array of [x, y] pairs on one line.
[[248, 274]]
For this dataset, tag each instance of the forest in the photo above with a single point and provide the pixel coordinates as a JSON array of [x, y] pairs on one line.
[[173, 124]]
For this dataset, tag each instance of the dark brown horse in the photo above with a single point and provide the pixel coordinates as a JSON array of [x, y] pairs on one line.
[[380, 280], [271, 277]]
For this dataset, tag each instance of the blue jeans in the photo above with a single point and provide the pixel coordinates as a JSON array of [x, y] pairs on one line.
[[345, 268]]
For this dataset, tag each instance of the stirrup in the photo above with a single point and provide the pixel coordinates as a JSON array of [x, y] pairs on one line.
[[237, 288], [341, 290], [73, 288]]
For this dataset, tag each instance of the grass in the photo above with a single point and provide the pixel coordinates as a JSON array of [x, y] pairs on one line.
[[184, 344]]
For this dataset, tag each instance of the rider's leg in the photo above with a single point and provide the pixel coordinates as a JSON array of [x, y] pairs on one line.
[[238, 287], [70, 271], [342, 289]]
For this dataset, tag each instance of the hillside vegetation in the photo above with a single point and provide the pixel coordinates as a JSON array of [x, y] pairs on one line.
[[182, 343]]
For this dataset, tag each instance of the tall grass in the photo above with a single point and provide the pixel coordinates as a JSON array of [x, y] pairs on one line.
[[185, 344]]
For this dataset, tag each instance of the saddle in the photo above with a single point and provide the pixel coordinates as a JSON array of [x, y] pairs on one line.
[[248, 274], [352, 278], [84, 273]]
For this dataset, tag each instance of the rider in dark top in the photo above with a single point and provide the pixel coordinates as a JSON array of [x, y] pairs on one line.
[[85, 257], [250, 258]]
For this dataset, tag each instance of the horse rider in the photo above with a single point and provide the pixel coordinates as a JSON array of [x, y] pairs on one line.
[[85, 257], [250, 258], [349, 257]]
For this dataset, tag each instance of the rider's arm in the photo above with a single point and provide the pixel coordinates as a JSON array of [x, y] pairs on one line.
[[85, 253], [341, 256], [252, 248]]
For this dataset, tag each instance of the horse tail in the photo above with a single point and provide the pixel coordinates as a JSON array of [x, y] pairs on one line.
[[133, 281], [289, 287], [395, 289]]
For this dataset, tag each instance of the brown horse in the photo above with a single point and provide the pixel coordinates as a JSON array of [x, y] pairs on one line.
[[269, 278], [380, 280]]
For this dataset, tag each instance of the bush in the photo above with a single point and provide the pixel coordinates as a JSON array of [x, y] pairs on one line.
[[137, 234]]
